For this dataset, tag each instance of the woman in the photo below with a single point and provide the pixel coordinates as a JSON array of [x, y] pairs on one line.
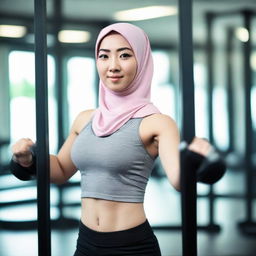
[[115, 146]]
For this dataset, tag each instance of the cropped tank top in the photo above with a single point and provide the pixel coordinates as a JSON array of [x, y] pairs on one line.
[[114, 167]]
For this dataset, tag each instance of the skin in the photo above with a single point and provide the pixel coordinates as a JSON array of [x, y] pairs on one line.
[[158, 132], [116, 62]]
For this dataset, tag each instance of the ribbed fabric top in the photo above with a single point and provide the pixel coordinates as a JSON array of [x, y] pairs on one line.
[[114, 167]]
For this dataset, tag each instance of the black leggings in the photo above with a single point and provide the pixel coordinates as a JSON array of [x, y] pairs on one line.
[[137, 241]]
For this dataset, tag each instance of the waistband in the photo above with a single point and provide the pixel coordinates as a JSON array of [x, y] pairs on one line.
[[116, 238]]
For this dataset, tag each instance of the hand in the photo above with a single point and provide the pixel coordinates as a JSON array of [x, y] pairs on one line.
[[200, 146], [22, 153], [210, 167]]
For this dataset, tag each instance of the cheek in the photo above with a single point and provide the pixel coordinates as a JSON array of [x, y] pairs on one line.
[[100, 68], [130, 68], [133, 69]]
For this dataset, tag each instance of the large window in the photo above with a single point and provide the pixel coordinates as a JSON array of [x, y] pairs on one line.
[[23, 124], [81, 85], [162, 92], [22, 91]]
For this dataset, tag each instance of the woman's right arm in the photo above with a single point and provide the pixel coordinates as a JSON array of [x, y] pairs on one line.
[[61, 165]]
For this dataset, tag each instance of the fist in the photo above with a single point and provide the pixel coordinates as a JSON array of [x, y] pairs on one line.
[[200, 146], [22, 153]]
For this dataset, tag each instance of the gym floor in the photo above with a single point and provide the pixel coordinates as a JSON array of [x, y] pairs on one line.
[[162, 206]]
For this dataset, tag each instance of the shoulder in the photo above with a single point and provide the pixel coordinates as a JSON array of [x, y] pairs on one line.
[[159, 123], [82, 119], [158, 126]]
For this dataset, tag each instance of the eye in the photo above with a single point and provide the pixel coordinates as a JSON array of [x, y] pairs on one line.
[[103, 56], [125, 55]]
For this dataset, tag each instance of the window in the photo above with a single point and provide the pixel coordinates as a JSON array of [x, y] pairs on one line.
[[22, 91], [81, 85]]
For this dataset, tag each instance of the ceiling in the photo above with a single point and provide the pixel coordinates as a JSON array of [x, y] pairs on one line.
[[162, 31]]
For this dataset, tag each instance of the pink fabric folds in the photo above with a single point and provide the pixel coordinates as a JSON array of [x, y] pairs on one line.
[[116, 108]]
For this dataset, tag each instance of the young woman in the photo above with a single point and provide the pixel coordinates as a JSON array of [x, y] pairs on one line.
[[114, 147]]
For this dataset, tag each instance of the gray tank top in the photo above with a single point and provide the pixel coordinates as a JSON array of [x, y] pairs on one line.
[[115, 167]]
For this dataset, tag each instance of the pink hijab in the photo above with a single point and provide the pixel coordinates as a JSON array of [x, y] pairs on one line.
[[116, 108]]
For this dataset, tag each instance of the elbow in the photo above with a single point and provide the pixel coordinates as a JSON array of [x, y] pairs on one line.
[[174, 179], [176, 186], [175, 182], [58, 177], [57, 181]]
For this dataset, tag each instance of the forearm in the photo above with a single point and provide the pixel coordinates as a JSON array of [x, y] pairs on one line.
[[23, 164], [28, 171], [174, 178]]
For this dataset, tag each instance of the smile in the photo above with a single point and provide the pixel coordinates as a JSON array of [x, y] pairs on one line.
[[115, 78]]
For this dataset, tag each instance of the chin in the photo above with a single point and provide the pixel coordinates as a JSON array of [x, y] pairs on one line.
[[117, 88]]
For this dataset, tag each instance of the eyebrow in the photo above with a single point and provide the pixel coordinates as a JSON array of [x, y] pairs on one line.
[[118, 50]]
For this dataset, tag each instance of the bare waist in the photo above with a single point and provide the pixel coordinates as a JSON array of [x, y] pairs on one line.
[[107, 216]]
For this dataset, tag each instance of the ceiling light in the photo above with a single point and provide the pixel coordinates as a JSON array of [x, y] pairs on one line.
[[145, 13], [13, 31], [242, 34], [73, 36]]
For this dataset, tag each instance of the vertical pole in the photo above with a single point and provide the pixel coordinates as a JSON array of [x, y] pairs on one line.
[[209, 23], [248, 226], [186, 69], [248, 117], [230, 99], [209, 20], [188, 178], [42, 133]]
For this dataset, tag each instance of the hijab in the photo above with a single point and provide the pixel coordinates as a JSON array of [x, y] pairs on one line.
[[116, 108]]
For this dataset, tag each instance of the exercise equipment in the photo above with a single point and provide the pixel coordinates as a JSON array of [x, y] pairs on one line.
[[24, 173], [195, 168], [248, 226], [209, 169], [42, 131], [188, 177]]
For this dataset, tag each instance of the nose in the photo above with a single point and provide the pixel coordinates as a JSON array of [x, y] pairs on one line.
[[114, 65]]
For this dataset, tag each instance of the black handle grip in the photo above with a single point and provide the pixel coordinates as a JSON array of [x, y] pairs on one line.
[[209, 169]]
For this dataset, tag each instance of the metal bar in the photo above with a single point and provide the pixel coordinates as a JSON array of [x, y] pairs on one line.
[[186, 69], [247, 49], [248, 226], [42, 133], [188, 207], [210, 48], [211, 199], [188, 178], [230, 99]]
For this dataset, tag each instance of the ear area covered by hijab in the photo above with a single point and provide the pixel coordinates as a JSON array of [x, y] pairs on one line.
[[116, 108]]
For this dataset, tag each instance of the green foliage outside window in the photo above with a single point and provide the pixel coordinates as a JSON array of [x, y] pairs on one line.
[[22, 89]]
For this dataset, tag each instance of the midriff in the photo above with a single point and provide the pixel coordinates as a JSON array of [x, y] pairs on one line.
[[107, 216]]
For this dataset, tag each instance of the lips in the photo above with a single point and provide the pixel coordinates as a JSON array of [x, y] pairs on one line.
[[115, 78]]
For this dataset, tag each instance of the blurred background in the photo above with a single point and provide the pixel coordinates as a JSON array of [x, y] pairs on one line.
[[224, 43]]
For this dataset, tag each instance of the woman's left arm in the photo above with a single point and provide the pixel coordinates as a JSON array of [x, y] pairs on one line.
[[168, 148]]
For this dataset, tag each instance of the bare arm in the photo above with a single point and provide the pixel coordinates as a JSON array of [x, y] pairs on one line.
[[168, 148], [61, 165]]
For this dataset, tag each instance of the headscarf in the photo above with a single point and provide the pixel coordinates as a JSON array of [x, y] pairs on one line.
[[116, 108]]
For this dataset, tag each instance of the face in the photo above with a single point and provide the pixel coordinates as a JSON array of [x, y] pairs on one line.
[[116, 62]]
